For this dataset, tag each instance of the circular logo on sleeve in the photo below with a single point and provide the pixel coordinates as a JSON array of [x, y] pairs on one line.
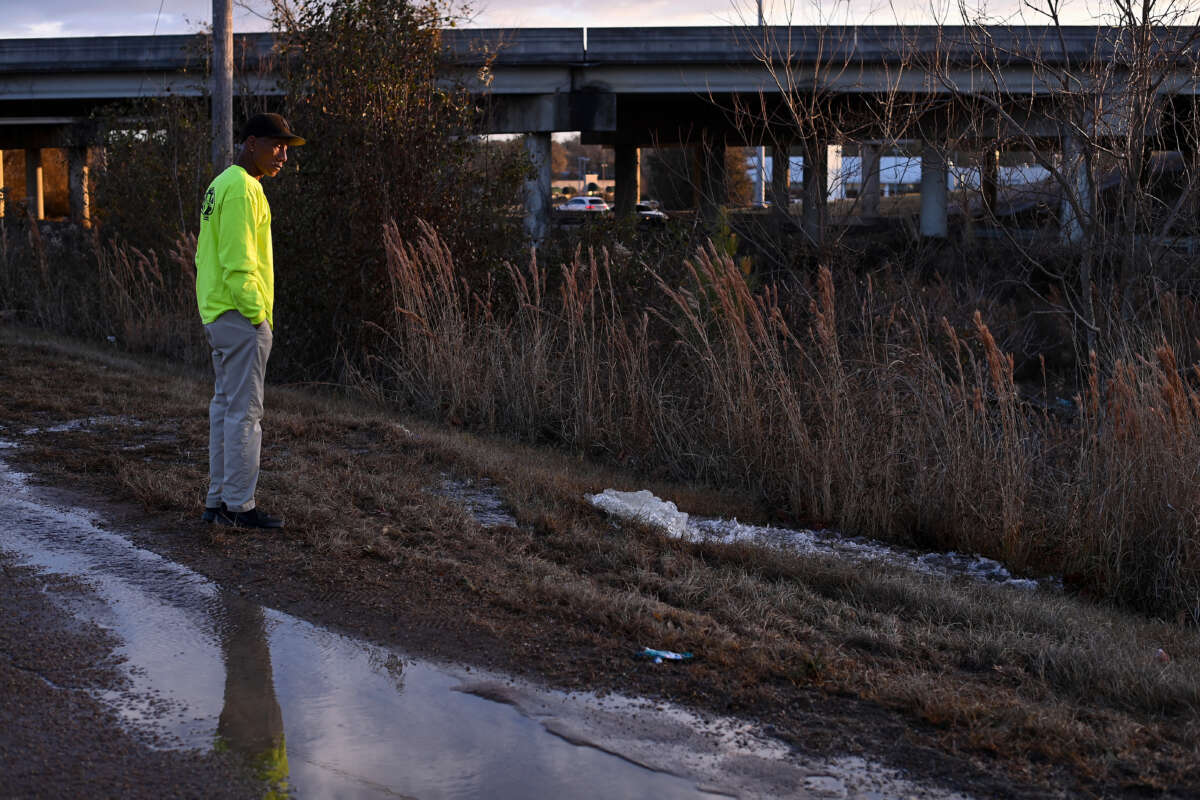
[[210, 199]]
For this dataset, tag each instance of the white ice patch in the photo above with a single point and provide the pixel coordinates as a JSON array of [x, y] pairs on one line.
[[643, 506], [978, 567]]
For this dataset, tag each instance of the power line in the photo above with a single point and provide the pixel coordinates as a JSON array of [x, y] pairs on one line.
[[158, 17]]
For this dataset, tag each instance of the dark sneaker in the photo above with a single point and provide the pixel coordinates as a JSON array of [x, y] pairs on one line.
[[210, 513], [254, 518]]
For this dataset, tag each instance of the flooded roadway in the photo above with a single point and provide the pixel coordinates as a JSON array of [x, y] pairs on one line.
[[319, 714]]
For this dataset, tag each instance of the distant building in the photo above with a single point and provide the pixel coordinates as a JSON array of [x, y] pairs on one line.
[[591, 184], [899, 174]]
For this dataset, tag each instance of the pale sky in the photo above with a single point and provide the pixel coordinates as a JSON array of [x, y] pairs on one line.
[[25, 19]]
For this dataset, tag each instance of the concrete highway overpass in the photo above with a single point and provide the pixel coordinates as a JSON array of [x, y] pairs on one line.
[[786, 88]]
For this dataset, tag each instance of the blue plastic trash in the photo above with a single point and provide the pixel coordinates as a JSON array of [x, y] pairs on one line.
[[664, 655]]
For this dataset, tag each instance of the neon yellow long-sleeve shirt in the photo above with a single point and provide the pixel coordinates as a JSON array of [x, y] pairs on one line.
[[234, 264]]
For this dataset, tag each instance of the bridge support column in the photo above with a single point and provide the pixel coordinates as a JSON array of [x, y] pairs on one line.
[[714, 191], [79, 185], [816, 188], [868, 193], [628, 190], [781, 181], [537, 188], [933, 192], [34, 195], [1076, 167], [1190, 156], [989, 180]]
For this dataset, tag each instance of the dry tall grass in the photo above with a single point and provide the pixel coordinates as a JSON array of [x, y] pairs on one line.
[[1130, 501], [577, 368], [831, 403], [150, 309], [59, 277]]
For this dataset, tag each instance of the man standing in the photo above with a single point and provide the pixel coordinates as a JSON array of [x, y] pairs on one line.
[[235, 289]]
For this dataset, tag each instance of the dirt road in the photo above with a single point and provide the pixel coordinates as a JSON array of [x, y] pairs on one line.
[[57, 737]]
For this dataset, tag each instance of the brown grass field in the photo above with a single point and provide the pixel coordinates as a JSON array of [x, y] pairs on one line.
[[1000, 692]]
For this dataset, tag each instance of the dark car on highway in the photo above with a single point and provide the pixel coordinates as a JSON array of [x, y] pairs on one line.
[[651, 214]]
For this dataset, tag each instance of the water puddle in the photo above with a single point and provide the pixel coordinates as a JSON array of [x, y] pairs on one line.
[[86, 423], [320, 714], [480, 498], [90, 423], [647, 508]]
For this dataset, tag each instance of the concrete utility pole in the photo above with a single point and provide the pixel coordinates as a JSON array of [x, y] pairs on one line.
[[762, 150], [222, 84]]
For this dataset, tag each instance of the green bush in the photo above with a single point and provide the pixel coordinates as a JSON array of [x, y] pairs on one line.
[[388, 141]]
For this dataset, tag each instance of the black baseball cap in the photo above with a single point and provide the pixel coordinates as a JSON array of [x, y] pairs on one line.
[[270, 126]]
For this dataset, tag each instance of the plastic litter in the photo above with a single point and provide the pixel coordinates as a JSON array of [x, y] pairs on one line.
[[1162, 656], [660, 656]]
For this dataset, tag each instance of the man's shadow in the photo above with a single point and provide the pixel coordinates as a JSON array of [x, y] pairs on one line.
[[251, 721]]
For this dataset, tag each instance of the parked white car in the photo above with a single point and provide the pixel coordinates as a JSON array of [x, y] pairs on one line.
[[585, 204]]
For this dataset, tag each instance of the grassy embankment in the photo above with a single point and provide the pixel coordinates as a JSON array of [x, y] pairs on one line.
[[882, 407], [1041, 689]]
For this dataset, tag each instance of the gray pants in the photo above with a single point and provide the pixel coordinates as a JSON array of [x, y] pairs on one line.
[[239, 356]]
